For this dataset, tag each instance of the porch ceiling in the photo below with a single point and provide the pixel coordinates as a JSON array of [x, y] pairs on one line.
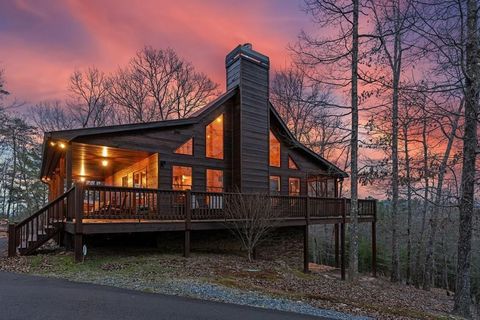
[[87, 160]]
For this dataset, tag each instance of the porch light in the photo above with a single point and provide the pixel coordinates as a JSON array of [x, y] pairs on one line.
[[82, 179], [104, 152], [62, 145], [104, 163], [52, 143]]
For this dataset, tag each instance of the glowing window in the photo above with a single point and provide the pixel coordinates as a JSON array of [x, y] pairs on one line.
[[185, 148], [292, 164], [214, 138], [274, 184], [294, 186], [181, 178], [274, 151], [214, 180]]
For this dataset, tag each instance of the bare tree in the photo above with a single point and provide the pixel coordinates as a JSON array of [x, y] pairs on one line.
[[250, 217], [470, 145], [89, 104], [303, 105], [160, 85], [51, 116], [334, 61]]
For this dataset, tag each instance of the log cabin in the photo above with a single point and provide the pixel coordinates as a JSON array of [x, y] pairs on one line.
[[174, 174]]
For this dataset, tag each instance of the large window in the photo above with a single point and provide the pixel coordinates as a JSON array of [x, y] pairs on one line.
[[140, 179], [294, 186], [214, 137], [274, 184], [181, 178], [186, 148], [274, 151], [214, 180]]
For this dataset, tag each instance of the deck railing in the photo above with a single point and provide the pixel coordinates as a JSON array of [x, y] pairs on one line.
[[105, 202]]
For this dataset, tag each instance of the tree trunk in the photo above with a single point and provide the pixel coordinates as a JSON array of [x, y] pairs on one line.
[[409, 204], [353, 259], [434, 209], [462, 292]]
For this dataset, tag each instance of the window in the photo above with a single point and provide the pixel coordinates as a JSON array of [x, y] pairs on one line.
[[140, 179], [292, 164], [274, 151], [294, 186], [274, 184], [181, 178], [214, 138], [125, 181], [186, 148], [214, 180]]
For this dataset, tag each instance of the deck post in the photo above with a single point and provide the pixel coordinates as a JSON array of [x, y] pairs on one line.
[[336, 234], [342, 238], [305, 236], [12, 241], [374, 241], [68, 165], [188, 218], [78, 236]]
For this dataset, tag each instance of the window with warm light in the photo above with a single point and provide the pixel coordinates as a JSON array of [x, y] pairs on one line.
[[294, 186], [186, 148], [214, 138], [292, 164], [274, 184], [274, 151], [125, 181], [140, 179], [181, 178], [214, 180]]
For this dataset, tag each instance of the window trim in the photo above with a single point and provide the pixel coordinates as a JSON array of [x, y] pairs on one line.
[[279, 183], [206, 179], [185, 166], [223, 137], [294, 162], [181, 145], [299, 186], [270, 133]]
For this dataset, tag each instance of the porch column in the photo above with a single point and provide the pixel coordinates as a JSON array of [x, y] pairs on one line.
[[68, 165], [188, 218], [305, 235]]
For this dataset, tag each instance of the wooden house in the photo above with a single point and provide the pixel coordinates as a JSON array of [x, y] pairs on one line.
[[174, 174]]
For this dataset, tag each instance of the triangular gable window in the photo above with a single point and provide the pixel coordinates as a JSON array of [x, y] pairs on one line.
[[186, 148], [292, 164]]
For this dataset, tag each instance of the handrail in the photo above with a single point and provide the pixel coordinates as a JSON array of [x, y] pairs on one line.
[[44, 208]]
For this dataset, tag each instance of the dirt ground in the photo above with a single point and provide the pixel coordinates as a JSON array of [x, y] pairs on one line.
[[375, 297]]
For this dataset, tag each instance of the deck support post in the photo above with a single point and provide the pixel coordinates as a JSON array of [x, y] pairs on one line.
[[374, 241], [12, 241], [342, 238], [336, 234], [78, 247], [78, 213], [305, 237], [188, 222], [68, 165]]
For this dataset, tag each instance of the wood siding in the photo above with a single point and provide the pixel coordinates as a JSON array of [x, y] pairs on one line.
[[150, 164]]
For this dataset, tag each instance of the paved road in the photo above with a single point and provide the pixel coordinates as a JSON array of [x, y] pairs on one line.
[[32, 298]]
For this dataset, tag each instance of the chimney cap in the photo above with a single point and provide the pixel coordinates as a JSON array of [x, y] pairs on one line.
[[246, 51], [248, 46]]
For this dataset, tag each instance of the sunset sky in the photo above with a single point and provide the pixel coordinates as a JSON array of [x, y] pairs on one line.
[[42, 42]]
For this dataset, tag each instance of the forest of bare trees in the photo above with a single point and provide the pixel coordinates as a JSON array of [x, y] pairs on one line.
[[388, 90]]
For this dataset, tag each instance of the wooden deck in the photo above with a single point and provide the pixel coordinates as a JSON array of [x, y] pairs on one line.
[[86, 210]]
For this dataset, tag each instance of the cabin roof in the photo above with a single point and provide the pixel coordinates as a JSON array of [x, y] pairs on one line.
[[71, 135]]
